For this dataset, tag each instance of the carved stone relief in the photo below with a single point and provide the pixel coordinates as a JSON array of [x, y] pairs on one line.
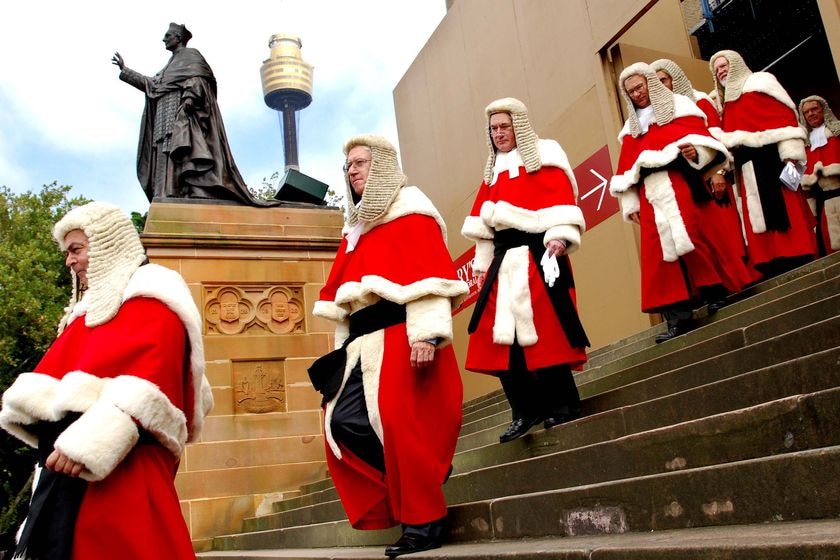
[[231, 310], [259, 386]]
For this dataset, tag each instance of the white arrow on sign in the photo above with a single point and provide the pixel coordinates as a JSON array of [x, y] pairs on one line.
[[602, 186]]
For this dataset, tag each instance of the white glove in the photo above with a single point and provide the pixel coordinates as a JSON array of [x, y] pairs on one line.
[[551, 269]]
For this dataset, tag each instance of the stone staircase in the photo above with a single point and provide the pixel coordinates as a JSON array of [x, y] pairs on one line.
[[722, 443]]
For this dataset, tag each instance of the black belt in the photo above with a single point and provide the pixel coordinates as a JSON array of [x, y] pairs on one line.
[[561, 300], [327, 372]]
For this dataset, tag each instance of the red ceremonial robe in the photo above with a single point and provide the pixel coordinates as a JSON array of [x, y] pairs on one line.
[[823, 171], [764, 115], [402, 258], [136, 370], [673, 226], [722, 222], [519, 307]]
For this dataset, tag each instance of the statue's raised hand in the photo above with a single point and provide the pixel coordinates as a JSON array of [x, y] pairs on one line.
[[118, 60]]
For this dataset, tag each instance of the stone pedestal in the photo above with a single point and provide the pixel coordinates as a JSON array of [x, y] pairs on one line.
[[255, 274]]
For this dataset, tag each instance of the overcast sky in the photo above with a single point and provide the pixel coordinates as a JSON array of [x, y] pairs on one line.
[[66, 117]]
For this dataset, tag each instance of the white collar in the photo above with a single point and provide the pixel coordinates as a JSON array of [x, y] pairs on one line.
[[818, 138]]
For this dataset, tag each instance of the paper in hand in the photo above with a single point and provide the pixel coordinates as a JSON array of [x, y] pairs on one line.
[[792, 174]]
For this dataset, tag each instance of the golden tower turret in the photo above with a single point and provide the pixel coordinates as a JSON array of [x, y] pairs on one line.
[[287, 88]]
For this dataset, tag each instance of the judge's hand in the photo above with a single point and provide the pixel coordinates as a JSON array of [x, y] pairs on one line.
[[479, 280], [718, 185], [422, 354], [556, 247], [118, 60], [634, 217], [61, 463], [688, 151]]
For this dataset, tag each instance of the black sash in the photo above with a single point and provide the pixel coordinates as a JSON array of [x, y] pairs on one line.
[[559, 295], [767, 170], [51, 522], [327, 372]]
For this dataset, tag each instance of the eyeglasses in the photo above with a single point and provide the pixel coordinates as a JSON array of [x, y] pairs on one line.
[[357, 163], [500, 128]]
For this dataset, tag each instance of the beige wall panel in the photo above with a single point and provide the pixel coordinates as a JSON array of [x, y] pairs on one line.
[[608, 18], [443, 64], [578, 129], [608, 282], [662, 28], [830, 13], [550, 32]]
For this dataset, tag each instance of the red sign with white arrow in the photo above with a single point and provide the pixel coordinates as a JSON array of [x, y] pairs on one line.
[[593, 179]]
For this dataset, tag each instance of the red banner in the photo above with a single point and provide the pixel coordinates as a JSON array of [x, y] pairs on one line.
[[463, 264], [593, 179]]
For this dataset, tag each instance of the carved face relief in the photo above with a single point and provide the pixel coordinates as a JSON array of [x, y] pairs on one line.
[[229, 304], [279, 307]]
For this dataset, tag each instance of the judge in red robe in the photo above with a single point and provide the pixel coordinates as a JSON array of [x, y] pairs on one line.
[[525, 327], [759, 126], [112, 403], [821, 181], [392, 390], [666, 150], [722, 222]]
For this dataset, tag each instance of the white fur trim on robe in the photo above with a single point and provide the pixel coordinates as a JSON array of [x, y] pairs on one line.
[[763, 82], [566, 219], [754, 210], [369, 348], [167, 286], [514, 318], [551, 155], [673, 236], [107, 429], [34, 397], [564, 222]]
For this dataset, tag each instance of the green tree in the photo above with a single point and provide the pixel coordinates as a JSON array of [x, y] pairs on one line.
[[34, 289]]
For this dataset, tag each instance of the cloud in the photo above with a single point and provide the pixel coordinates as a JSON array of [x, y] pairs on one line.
[[65, 116]]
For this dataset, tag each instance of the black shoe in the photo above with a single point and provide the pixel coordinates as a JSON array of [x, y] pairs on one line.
[[715, 306], [518, 428], [557, 419], [672, 332], [417, 538]]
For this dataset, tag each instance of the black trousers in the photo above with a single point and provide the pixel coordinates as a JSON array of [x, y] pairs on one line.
[[350, 423], [541, 393]]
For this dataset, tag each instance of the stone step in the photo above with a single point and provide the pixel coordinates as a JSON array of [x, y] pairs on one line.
[[816, 372], [789, 330], [799, 375], [796, 423], [256, 426], [814, 273], [766, 315], [794, 486], [642, 383], [795, 540], [739, 353], [661, 356], [248, 480], [252, 452]]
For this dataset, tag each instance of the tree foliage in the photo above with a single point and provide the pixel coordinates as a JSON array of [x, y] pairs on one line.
[[34, 289]]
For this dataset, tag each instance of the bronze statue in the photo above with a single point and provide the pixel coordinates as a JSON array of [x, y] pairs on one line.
[[183, 150]]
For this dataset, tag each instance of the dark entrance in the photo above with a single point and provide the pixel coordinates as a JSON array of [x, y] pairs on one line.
[[783, 37]]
